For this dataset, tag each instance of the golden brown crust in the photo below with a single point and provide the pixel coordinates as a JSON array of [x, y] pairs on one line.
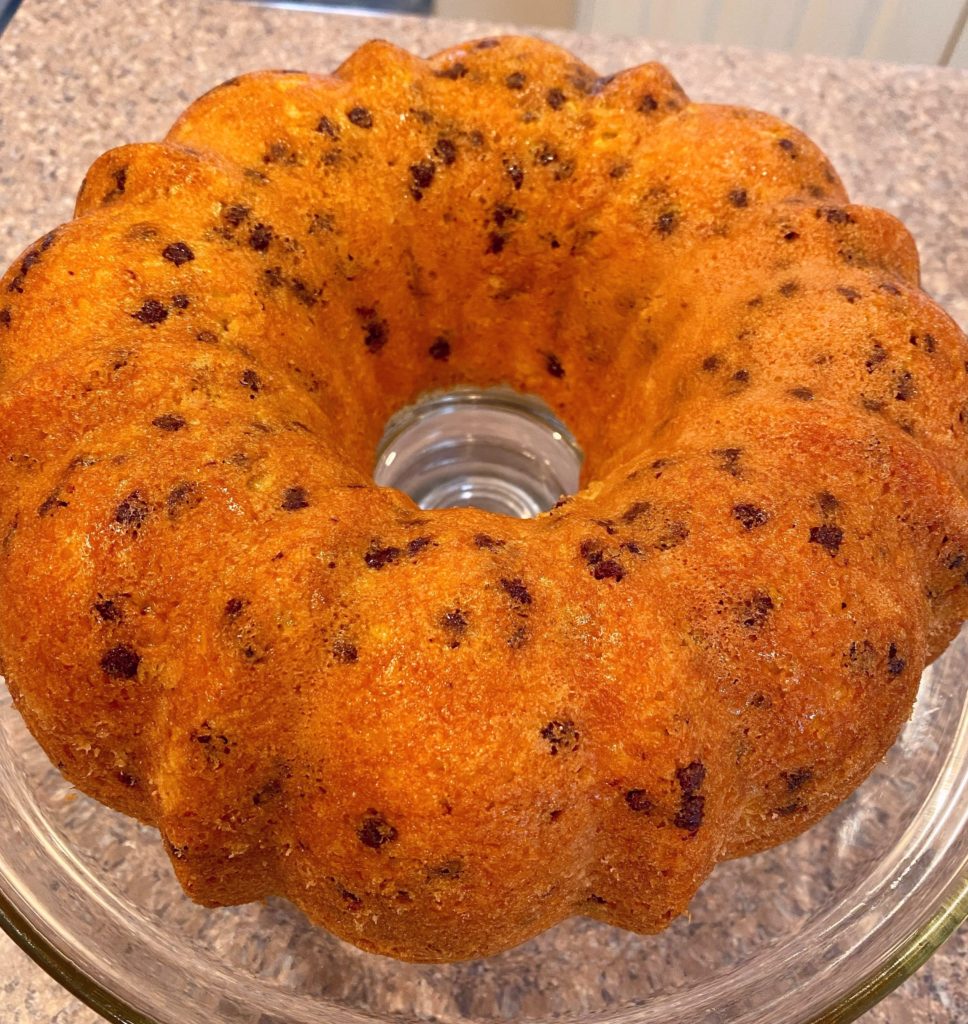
[[438, 733]]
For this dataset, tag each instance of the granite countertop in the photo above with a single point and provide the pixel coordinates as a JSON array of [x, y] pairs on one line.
[[80, 76]]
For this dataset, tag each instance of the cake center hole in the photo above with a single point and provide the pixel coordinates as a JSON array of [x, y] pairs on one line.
[[493, 449]]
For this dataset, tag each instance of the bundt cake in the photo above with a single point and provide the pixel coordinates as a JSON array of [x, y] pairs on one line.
[[440, 732]]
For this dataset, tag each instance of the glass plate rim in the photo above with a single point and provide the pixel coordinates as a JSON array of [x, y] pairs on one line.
[[891, 972]]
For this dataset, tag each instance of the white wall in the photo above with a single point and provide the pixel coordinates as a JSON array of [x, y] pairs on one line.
[[903, 31]]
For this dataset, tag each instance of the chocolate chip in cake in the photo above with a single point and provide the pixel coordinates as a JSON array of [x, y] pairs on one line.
[[376, 831], [415, 546], [728, 459], [516, 80], [673, 534], [121, 662], [183, 496], [827, 503], [170, 422], [294, 498], [877, 356], [120, 177], [30, 260], [178, 253], [553, 365], [454, 622], [647, 104], [904, 386], [152, 312], [456, 70], [132, 512], [235, 214], [750, 516], [375, 335], [516, 173], [322, 223], [797, 779], [326, 127], [636, 510], [638, 800], [926, 341], [252, 381], [755, 610], [259, 237], [446, 150], [233, 606], [280, 152], [667, 222], [440, 350], [739, 198], [518, 638], [561, 735], [828, 536], [378, 558], [608, 569], [516, 590], [344, 652], [591, 550], [691, 778], [360, 116], [504, 212], [850, 294], [108, 610], [555, 99], [483, 540], [690, 814], [50, 504], [545, 155], [895, 663], [421, 177], [375, 330]]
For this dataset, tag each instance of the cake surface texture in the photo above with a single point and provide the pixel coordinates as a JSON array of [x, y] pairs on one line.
[[438, 733]]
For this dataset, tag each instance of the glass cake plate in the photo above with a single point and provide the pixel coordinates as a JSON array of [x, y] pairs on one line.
[[816, 930]]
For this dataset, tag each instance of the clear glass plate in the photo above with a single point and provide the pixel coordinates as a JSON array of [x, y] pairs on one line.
[[816, 930]]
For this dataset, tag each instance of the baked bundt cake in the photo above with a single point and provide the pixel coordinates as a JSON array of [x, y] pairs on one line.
[[440, 732]]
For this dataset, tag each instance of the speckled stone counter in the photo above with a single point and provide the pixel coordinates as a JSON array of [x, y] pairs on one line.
[[78, 77]]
